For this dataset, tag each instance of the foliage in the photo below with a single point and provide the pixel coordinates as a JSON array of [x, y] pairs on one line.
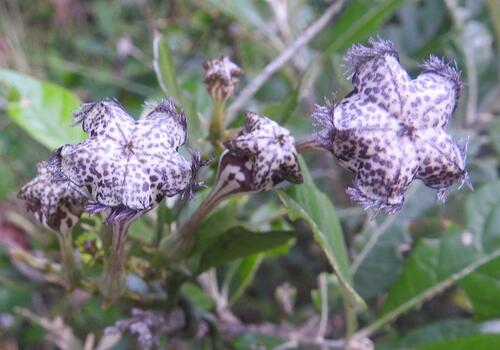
[[299, 266]]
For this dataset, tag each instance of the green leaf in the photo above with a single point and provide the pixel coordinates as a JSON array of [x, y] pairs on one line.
[[495, 135], [166, 73], [239, 242], [164, 67], [358, 21], [483, 217], [435, 333], [475, 341], [436, 264], [306, 202], [44, 110]]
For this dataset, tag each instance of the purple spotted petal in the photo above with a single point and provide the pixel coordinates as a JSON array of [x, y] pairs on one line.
[[55, 202], [128, 165], [271, 149], [389, 129]]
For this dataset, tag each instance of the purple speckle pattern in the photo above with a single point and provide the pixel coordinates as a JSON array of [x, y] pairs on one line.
[[221, 76], [125, 163], [390, 128], [56, 202], [269, 150]]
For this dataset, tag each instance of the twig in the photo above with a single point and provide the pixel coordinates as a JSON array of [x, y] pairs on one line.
[[283, 58]]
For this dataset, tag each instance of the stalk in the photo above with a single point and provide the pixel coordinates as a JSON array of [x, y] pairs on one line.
[[70, 271], [113, 280]]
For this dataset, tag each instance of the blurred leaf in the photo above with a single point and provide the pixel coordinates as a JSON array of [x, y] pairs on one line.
[[43, 109], [239, 242], [251, 341], [436, 264], [165, 70], [164, 67], [358, 21], [495, 135], [306, 202], [475, 341], [244, 273], [435, 333], [197, 296], [483, 217]]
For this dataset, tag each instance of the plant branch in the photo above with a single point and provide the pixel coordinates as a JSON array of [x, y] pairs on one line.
[[283, 58]]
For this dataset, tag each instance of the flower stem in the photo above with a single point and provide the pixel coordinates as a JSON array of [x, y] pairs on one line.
[[308, 143], [69, 266], [216, 131], [178, 245], [113, 280]]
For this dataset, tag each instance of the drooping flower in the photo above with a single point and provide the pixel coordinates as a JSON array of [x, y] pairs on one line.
[[128, 165], [390, 128], [56, 202], [266, 152], [259, 158], [221, 76]]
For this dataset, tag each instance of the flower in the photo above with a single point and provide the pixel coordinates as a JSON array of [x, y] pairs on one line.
[[221, 76], [265, 154], [390, 128], [56, 202], [128, 165]]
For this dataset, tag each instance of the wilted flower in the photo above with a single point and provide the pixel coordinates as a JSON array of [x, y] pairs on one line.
[[128, 165], [267, 151], [390, 128], [221, 76], [260, 157], [56, 202]]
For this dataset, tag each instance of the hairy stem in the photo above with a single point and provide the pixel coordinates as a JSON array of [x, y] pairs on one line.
[[69, 265], [216, 131], [310, 143], [113, 280]]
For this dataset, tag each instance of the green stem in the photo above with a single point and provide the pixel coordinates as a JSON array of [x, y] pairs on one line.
[[69, 266], [113, 280], [216, 132], [160, 223]]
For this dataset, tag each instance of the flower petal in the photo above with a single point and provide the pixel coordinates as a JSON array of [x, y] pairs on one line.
[[441, 160]]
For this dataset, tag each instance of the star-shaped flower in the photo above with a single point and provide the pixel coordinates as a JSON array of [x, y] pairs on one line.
[[269, 151], [221, 76], [390, 128], [128, 165], [56, 202]]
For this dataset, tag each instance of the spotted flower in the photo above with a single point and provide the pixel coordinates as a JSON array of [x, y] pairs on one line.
[[128, 165], [221, 76], [267, 152], [391, 129], [56, 202]]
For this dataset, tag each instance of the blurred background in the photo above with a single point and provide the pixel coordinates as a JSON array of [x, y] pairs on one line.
[[97, 49]]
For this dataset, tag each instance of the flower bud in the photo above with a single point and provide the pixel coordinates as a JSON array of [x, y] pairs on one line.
[[390, 128], [221, 76]]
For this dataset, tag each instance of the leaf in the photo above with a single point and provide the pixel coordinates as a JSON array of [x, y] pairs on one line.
[[166, 73], [435, 333], [436, 264], [358, 21], [495, 135], [483, 216], [306, 202], [239, 242], [44, 110], [164, 67], [475, 341]]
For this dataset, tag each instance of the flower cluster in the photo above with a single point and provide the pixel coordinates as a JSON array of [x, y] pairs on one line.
[[390, 128], [128, 165]]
